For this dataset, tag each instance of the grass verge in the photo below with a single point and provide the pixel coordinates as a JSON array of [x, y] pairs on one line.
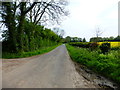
[[43, 50], [106, 65]]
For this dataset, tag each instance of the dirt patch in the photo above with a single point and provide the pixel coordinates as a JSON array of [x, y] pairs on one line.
[[95, 78], [10, 64]]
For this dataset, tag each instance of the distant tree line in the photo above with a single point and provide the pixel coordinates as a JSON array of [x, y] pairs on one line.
[[93, 39], [73, 39], [23, 24], [100, 39]]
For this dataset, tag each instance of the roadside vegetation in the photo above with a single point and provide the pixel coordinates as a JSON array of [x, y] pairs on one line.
[[106, 63], [28, 54], [36, 40]]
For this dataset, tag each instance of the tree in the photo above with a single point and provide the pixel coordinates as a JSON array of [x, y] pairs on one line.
[[68, 39], [47, 11], [76, 39], [98, 34], [79, 39], [117, 38], [94, 39], [23, 11], [8, 18], [59, 32], [56, 30], [84, 40], [15, 14], [15, 26], [62, 33], [111, 38]]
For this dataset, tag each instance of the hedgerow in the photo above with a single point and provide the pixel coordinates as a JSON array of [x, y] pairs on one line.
[[104, 64]]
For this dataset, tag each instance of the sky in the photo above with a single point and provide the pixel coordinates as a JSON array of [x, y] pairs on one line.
[[88, 15]]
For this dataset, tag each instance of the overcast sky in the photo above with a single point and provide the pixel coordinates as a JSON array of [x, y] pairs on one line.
[[87, 15]]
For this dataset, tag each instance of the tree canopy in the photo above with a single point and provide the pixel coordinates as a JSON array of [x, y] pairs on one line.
[[23, 22]]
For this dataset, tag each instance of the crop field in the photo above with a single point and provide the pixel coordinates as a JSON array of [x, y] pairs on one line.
[[113, 44], [86, 44]]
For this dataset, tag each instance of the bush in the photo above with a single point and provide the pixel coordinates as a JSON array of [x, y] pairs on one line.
[[80, 44], [105, 47], [93, 46]]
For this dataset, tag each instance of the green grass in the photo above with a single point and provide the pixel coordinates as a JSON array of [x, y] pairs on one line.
[[106, 65], [43, 50]]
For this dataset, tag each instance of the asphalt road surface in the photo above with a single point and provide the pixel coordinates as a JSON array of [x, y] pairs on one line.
[[51, 70]]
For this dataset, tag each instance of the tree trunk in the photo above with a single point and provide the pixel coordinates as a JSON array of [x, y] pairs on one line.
[[21, 28], [11, 25]]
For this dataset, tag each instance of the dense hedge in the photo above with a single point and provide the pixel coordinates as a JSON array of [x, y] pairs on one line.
[[104, 47], [80, 44], [34, 37]]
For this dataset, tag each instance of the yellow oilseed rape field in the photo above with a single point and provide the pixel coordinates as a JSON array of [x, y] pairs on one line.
[[113, 44]]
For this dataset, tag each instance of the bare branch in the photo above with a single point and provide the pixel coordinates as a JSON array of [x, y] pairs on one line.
[[30, 7]]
